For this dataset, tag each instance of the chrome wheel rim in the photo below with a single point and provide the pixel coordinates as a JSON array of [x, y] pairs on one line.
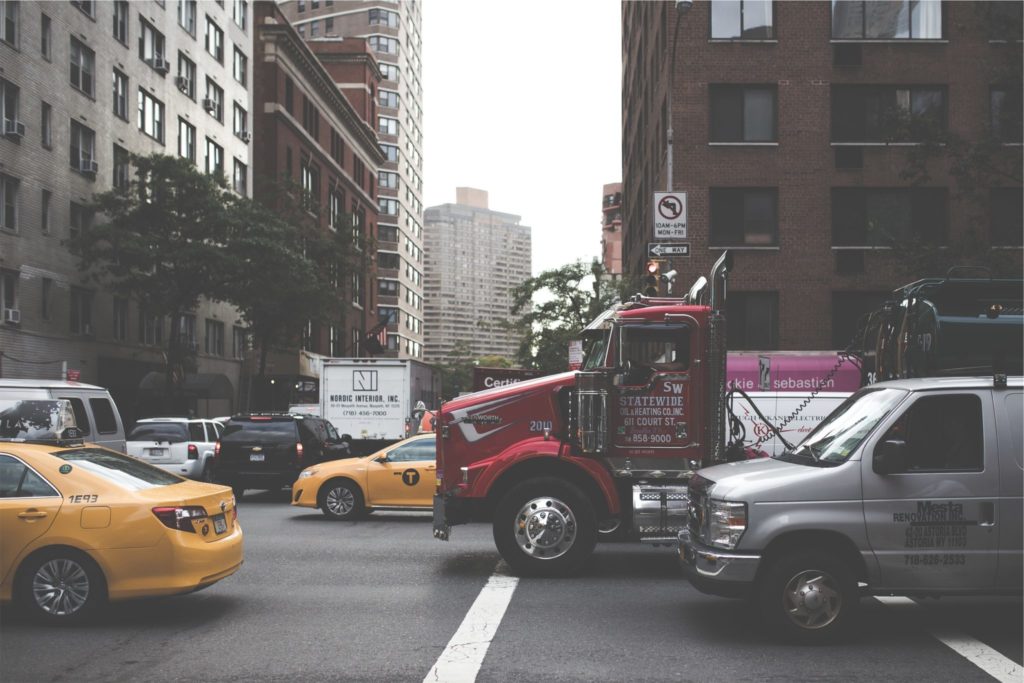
[[60, 587], [545, 528], [340, 501], [812, 599]]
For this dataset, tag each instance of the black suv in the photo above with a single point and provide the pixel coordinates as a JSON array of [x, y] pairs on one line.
[[268, 451]]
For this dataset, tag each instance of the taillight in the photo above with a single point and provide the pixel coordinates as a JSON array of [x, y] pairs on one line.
[[298, 452], [234, 510], [180, 518], [216, 449], [193, 452]]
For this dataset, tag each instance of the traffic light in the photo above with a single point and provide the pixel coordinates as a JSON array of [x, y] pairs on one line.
[[652, 278]]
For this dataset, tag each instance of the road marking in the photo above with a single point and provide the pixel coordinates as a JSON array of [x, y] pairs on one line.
[[461, 660], [989, 660]]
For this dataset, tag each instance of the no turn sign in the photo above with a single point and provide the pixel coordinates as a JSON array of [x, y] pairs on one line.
[[669, 215]]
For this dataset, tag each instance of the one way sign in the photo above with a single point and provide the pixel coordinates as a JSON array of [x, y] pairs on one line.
[[660, 250]]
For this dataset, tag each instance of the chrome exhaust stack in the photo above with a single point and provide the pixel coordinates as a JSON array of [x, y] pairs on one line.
[[716, 360]]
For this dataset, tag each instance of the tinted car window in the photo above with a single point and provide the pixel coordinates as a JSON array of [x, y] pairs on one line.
[[215, 428], [103, 413], [125, 471], [942, 433], [269, 431], [332, 433], [81, 417], [171, 432], [195, 432], [18, 481], [417, 450]]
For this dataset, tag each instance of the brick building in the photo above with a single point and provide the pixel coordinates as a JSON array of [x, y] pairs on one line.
[[321, 138], [392, 30], [611, 228], [784, 143], [82, 85]]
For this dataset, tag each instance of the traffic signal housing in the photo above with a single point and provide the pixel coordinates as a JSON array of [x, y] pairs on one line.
[[652, 278]]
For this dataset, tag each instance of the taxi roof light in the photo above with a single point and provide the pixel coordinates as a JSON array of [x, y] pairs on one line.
[[50, 422]]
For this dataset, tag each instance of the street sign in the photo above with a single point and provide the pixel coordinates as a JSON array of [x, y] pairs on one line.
[[661, 250], [670, 215]]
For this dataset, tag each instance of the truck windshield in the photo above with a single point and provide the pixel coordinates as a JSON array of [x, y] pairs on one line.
[[595, 346], [839, 435]]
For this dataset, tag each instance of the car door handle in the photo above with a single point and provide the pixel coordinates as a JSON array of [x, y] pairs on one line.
[[988, 514], [431, 467], [32, 514]]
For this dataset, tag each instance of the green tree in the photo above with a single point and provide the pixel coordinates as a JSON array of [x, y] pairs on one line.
[[162, 242]]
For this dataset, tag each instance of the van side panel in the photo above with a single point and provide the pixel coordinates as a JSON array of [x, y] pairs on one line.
[[1009, 409]]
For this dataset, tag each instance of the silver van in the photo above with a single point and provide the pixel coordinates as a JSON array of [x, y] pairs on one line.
[[911, 487], [95, 412]]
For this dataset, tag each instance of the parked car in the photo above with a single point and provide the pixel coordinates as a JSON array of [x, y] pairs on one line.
[[96, 413], [910, 487], [268, 451], [83, 524], [176, 444]]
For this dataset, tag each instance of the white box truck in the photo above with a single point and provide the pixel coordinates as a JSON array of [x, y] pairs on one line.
[[374, 399]]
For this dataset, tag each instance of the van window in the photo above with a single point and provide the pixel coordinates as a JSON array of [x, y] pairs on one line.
[[103, 413], [81, 417], [171, 432], [943, 433], [1015, 413]]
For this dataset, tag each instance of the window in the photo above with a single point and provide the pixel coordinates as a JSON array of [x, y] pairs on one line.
[[337, 148], [386, 98], [214, 40], [894, 20], [80, 219], [241, 66], [334, 342], [387, 125], [186, 76], [120, 319], [289, 94], [187, 16], [744, 217], [120, 95], [45, 37], [384, 17], [151, 329], [81, 311], [1006, 114], [9, 17], [83, 67], [358, 170], [151, 116], [741, 20], [314, 28], [387, 287], [387, 233], [301, 28], [866, 217], [310, 178], [18, 481], [241, 120], [239, 341], [1007, 206], [186, 140], [187, 332], [121, 21], [151, 46], [214, 102], [300, 7], [383, 44], [743, 113], [329, 26], [847, 309], [121, 168], [306, 336], [9, 96], [44, 213], [388, 261], [214, 342], [390, 152], [388, 207], [240, 13], [83, 148], [44, 300], [336, 208], [195, 429], [752, 320], [388, 180], [866, 113], [9, 289], [310, 118], [87, 7], [214, 157], [389, 72], [357, 289], [240, 179], [46, 125], [942, 433]]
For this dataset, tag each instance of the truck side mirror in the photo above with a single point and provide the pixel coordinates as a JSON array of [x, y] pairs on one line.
[[890, 457]]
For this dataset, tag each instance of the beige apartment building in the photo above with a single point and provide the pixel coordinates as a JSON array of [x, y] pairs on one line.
[[392, 31], [475, 258], [83, 84]]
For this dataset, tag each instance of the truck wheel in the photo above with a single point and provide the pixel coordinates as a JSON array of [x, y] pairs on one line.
[[60, 586], [340, 499], [809, 596], [545, 527]]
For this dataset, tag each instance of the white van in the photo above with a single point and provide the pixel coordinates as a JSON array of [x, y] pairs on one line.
[[777, 406], [95, 412]]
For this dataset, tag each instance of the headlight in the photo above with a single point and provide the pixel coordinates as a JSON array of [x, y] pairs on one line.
[[726, 523], [307, 473]]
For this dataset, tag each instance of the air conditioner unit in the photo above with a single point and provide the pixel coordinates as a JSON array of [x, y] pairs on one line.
[[210, 105], [12, 315], [14, 128], [245, 135], [89, 166], [161, 64], [182, 83]]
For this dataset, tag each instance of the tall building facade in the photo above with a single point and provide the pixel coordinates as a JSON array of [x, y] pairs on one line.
[[797, 128], [475, 258], [611, 229], [84, 84], [392, 30]]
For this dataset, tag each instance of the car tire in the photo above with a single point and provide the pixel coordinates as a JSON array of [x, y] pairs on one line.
[[207, 474], [60, 586], [341, 499], [521, 527], [808, 596]]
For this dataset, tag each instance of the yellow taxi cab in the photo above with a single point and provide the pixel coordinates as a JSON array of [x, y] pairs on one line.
[[81, 524], [399, 476]]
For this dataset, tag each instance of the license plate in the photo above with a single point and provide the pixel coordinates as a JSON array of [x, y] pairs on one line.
[[257, 457], [157, 452], [220, 524]]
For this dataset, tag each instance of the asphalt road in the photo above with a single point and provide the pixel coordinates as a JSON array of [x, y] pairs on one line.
[[379, 599]]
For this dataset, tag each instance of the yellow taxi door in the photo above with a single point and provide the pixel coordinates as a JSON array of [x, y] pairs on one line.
[[406, 478], [28, 506]]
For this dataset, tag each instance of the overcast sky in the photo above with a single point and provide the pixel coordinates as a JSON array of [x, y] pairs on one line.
[[522, 99]]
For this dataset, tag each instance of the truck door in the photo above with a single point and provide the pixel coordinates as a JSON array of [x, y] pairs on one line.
[[935, 525], [653, 413]]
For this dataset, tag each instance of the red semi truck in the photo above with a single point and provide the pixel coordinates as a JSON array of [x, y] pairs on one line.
[[558, 462]]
